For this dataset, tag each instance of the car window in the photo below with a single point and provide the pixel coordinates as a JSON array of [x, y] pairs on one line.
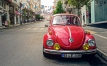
[[66, 20], [76, 21]]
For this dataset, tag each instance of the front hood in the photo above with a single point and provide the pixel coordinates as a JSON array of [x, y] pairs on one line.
[[65, 33]]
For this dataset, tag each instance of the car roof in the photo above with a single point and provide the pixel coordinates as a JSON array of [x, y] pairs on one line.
[[64, 14]]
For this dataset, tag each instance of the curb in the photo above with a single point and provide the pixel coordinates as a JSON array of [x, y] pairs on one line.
[[8, 27], [16, 25], [102, 54], [2, 27]]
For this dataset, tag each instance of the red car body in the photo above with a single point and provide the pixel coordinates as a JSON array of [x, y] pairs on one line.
[[67, 40]]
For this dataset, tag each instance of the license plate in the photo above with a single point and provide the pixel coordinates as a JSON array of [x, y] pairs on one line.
[[71, 55]]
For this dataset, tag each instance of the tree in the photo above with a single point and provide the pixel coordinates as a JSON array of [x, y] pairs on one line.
[[59, 8], [78, 3]]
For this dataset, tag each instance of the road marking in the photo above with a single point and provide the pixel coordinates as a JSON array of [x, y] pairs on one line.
[[27, 28], [101, 36], [22, 29], [41, 28], [92, 32], [35, 28]]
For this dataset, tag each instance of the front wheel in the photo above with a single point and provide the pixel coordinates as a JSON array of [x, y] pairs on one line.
[[45, 54]]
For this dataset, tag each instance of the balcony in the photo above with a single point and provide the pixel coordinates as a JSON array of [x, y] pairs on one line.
[[15, 3], [1, 9]]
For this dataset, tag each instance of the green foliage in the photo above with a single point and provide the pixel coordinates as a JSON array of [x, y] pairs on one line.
[[41, 17], [27, 12], [30, 13], [78, 3], [59, 8], [24, 12], [38, 17]]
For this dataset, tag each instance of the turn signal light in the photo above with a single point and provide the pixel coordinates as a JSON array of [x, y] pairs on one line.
[[50, 32], [87, 32], [56, 46], [86, 46]]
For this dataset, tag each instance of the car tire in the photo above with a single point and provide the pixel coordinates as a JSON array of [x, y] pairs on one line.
[[45, 54]]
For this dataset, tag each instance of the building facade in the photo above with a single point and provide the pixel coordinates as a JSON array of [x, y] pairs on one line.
[[37, 4], [14, 12], [98, 11], [9, 12], [84, 16], [4, 11], [32, 6]]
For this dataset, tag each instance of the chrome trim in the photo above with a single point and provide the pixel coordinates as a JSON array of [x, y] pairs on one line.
[[49, 40], [70, 51], [70, 39], [92, 40], [69, 32]]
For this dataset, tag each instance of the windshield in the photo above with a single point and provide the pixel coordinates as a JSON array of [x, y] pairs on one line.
[[66, 20]]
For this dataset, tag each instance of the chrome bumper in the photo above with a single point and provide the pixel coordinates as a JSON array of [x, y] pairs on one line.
[[70, 51]]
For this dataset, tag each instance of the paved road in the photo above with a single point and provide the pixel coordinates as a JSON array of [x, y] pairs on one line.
[[100, 33], [22, 46]]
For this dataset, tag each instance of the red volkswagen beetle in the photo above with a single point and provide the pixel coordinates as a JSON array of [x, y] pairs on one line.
[[67, 38]]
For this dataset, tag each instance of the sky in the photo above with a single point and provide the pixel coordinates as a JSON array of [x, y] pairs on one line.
[[47, 2]]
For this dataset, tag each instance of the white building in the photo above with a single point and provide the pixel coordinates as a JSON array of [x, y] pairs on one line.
[[83, 15], [4, 11], [8, 11], [15, 5], [37, 6]]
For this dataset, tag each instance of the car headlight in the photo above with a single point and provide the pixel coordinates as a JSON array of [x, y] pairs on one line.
[[50, 42], [91, 42]]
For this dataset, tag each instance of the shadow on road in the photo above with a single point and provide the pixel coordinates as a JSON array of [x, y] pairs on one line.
[[101, 25], [95, 61]]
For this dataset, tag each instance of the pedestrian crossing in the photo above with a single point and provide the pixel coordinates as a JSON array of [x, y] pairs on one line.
[[28, 28], [32, 29], [42, 29]]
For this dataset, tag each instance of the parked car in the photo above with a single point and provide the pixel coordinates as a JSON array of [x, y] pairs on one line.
[[67, 38]]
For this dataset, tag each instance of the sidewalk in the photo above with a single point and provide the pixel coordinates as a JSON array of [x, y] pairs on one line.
[[2, 27], [101, 43], [11, 26]]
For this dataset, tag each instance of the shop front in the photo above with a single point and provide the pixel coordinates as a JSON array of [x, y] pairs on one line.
[[1, 11], [11, 13]]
